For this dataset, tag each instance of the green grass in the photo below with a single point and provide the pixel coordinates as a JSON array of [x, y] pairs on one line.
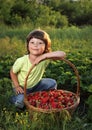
[[76, 42]]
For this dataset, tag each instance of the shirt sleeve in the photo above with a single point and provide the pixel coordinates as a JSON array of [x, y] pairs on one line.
[[17, 65]]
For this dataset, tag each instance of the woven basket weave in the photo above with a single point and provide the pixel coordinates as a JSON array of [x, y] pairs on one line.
[[71, 109]]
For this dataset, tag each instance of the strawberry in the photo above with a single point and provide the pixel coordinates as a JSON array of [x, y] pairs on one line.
[[52, 99]]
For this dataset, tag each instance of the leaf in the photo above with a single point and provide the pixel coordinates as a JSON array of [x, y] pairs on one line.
[[90, 88]]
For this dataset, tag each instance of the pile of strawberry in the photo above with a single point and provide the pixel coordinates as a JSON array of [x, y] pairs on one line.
[[52, 99]]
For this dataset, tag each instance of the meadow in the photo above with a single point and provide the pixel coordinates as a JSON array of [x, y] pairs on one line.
[[77, 43]]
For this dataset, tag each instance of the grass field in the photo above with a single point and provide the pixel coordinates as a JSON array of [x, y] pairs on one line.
[[77, 43]]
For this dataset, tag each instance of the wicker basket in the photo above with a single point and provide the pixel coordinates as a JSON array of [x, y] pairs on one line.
[[71, 109]]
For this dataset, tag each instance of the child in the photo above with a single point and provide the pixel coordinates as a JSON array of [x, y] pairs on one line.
[[39, 54]]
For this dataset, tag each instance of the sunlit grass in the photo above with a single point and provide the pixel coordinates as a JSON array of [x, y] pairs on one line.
[[76, 42], [22, 120]]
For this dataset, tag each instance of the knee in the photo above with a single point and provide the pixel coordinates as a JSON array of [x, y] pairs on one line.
[[52, 84]]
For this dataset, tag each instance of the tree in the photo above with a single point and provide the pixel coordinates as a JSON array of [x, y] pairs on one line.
[[5, 9]]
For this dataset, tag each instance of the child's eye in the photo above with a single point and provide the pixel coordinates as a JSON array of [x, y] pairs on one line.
[[32, 42], [40, 42]]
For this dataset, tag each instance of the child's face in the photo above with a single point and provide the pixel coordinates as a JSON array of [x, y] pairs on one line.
[[36, 46]]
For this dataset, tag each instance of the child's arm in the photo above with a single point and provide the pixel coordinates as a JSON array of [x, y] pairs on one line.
[[15, 82], [56, 55]]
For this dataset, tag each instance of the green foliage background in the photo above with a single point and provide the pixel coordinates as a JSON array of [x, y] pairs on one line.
[[69, 25], [55, 13], [76, 42]]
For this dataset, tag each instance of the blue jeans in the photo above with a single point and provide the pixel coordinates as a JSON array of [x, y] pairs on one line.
[[43, 85]]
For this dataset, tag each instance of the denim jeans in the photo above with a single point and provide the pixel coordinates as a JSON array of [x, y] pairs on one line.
[[44, 84]]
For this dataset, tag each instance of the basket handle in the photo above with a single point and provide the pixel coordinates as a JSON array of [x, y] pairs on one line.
[[68, 62]]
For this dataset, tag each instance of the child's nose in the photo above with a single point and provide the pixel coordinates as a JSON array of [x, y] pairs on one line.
[[35, 43]]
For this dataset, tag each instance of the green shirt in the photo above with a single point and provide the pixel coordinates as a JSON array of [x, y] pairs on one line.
[[21, 67]]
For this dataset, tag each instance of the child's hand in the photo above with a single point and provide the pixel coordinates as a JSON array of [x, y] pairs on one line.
[[19, 90]]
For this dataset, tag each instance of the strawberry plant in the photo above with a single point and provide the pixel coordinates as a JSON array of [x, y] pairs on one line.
[[89, 102], [76, 42]]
